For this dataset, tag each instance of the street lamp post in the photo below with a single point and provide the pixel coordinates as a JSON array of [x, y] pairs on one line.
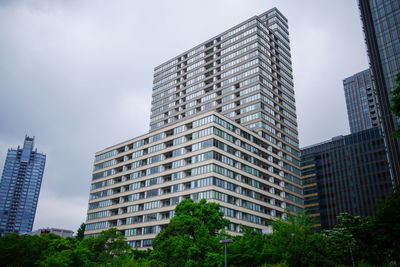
[[225, 241]]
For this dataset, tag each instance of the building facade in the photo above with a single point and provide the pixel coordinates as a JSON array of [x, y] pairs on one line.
[[60, 232], [223, 127], [381, 25], [361, 101], [20, 187], [347, 174]]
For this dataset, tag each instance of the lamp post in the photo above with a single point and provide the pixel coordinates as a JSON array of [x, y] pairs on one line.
[[225, 241]]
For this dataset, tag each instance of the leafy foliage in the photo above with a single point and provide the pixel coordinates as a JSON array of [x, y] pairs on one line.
[[354, 241], [80, 234], [388, 226], [191, 239], [295, 243], [248, 249], [395, 107], [52, 250], [14, 249], [109, 244]]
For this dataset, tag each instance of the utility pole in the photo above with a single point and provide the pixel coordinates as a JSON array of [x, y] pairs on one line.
[[226, 241]]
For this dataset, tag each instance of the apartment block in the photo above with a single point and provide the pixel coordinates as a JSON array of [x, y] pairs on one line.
[[361, 101], [222, 127]]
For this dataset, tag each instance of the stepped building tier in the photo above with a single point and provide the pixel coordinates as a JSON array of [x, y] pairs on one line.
[[223, 127]]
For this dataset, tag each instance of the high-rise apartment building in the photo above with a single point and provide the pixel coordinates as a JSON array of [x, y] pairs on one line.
[[361, 101], [347, 174], [223, 127], [20, 187], [381, 25]]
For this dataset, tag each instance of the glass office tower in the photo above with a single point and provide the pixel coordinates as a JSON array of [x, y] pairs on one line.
[[361, 101], [381, 25], [223, 127], [346, 174], [20, 187]]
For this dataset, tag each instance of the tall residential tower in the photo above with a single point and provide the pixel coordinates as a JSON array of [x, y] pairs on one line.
[[20, 187], [223, 127]]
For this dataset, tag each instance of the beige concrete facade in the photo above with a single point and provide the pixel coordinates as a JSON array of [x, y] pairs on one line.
[[223, 127]]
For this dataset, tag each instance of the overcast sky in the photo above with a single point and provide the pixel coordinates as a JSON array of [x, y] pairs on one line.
[[77, 75]]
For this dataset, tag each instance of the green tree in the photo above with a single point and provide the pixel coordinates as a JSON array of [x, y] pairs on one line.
[[395, 107], [80, 233], [24, 250], [247, 250], [129, 260], [53, 250], [67, 252], [351, 238], [294, 242], [105, 249], [109, 244], [388, 226], [192, 236], [74, 256]]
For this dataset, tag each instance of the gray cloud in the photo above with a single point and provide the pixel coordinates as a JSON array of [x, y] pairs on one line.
[[78, 76]]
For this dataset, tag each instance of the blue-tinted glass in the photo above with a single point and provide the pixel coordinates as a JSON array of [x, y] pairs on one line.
[[16, 199]]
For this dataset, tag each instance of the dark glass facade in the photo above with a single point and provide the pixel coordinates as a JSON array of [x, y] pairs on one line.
[[381, 24], [361, 101], [347, 174], [20, 187]]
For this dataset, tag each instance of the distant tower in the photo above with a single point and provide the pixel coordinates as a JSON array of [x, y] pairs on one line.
[[361, 101], [20, 187]]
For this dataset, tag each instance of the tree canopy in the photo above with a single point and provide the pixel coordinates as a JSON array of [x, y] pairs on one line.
[[80, 233], [107, 249], [192, 236], [395, 103], [192, 239], [291, 243], [388, 226]]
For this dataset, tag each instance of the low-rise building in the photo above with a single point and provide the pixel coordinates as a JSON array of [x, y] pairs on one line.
[[346, 174], [61, 232]]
